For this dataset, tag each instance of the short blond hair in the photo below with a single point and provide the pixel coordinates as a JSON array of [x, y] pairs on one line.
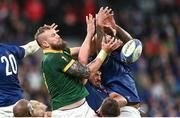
[[40, 31]]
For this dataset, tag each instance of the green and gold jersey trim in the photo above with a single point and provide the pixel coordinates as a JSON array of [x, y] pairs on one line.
[[68, 65], [52, 51], [71, 49]]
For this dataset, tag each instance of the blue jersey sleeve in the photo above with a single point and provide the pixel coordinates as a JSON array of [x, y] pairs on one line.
[[19, 52]]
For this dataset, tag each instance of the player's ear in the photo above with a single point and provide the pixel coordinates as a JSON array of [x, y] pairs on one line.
[[45, 44]]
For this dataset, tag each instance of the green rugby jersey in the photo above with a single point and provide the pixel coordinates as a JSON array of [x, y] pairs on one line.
[[63, 88]]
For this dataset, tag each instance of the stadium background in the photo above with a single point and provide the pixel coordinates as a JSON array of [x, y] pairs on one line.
[[155, 22]]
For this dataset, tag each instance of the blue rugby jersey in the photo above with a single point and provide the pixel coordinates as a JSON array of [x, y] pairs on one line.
[[96, 96], [10, 89], [117, 77]]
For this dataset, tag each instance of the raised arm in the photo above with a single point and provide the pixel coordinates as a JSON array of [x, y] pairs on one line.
[[100, 18], [107, 47], [85, 49], [122, 34], [84, 71], [108, 23]]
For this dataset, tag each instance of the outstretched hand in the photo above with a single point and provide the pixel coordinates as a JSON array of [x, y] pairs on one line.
[[102, 15], [53, 26], [105, 19], [110, 44], [90, 24]]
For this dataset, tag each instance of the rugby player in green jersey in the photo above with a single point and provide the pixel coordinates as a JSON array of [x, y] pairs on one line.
[[63, 75]]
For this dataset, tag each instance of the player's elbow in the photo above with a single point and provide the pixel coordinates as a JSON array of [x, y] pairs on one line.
[[82, 61]]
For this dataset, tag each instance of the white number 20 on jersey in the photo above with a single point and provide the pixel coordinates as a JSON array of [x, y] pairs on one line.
[[10, 63]]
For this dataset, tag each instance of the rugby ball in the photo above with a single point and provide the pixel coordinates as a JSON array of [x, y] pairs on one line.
[[131, 51]]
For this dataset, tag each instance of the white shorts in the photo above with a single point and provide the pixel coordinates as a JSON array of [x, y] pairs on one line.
[[82, 111], [128, 111], [6, 111]]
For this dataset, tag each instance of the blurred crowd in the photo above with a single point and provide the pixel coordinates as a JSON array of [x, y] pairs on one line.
[[155, 22]]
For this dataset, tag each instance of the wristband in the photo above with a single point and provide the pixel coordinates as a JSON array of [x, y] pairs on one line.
[[102, 55]]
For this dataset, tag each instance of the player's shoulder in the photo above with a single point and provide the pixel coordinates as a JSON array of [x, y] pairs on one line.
[[52, 57], [10, 46], [17, 51], [2, 45]]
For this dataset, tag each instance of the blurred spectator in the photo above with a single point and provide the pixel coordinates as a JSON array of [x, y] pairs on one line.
[[34, 10]]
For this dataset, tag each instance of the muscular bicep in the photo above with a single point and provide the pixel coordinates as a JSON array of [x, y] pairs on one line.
[[78, 70]]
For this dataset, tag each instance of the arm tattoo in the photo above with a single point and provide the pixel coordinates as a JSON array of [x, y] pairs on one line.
[[79, 70], [93, 61], [123, 35]]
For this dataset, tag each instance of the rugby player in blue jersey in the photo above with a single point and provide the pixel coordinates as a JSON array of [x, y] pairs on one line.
[[117, 81], [10, 89]]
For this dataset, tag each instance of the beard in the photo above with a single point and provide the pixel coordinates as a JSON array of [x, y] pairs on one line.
[[59, 46]]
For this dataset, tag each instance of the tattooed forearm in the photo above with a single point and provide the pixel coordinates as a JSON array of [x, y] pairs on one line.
[[93, 61], [94, 65], [79, 70], [123, 35], [99, 33]]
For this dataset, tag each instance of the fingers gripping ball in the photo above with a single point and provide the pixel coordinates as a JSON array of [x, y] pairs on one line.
[[131, 51]]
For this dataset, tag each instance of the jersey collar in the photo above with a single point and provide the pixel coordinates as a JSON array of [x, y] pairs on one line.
[[51, 51]]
